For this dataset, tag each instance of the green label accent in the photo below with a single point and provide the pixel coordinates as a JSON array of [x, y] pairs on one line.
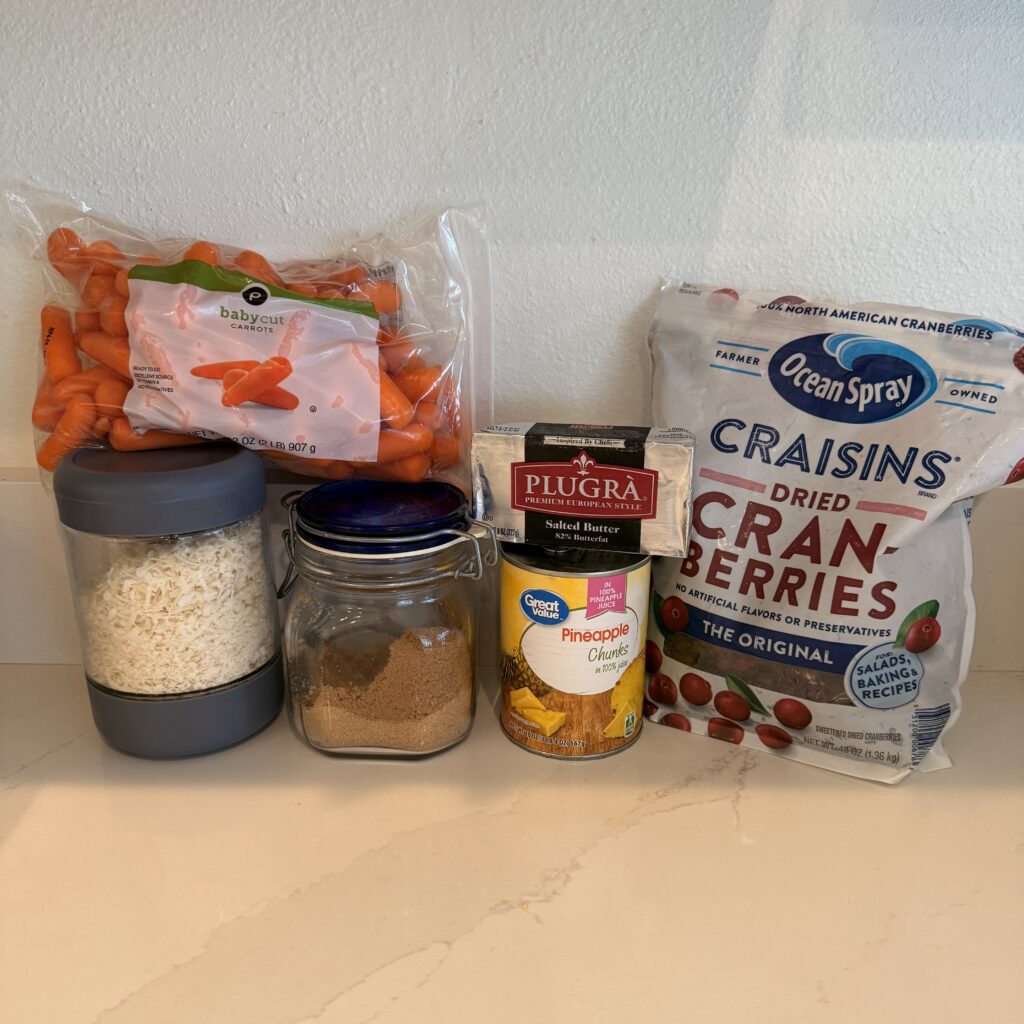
[[217, 279]]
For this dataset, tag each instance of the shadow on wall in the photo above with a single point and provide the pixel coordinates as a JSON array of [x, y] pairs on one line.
[[922, 69]]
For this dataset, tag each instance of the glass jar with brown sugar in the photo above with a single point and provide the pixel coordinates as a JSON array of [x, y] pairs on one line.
[[379, 638]]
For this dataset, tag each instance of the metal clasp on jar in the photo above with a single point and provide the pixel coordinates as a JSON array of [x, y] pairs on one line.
[[473, 570]]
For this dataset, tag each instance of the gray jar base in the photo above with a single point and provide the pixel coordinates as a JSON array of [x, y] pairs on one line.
[[187, 725]]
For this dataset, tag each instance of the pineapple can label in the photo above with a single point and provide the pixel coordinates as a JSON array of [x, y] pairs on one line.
[[573, 626]]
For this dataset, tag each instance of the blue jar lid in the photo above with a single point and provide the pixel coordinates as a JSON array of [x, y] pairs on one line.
[[379, 516]]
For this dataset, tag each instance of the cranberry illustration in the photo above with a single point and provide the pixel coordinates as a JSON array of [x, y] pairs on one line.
[[922, 635], [723, 729], [662, 689], [695, 689], [728, 293], [649, 708], [787, 300], [1017, 473], [732, 705], [677, 721], [792, 713], [674, 615], [772, 736], [1018, 360], [652, 656]]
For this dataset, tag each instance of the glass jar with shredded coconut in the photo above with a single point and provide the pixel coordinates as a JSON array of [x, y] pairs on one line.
[[168, 557]]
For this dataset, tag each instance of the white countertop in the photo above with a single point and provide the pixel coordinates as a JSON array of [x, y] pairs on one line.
[[679, 880]]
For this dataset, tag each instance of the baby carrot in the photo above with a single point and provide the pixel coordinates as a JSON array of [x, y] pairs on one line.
[[111, 352], [64, 251], [301, 288], [398, 351], [429, 414], [71, 431], [395, 409], [255, 265], [205, 252], [444, 452], [47, 409], [104, 258], [269, 373], [124, 439], [337, 470], [383, 294], [121, 282], [86, 320], [217, 371], [96, 289], [101, 427], [112, 316], [396, 444], [410, 469], [109, 398], [84, 383], [58, 339], [422, 383]]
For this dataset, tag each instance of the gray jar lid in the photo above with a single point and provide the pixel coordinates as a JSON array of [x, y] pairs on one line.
[[151, 494]]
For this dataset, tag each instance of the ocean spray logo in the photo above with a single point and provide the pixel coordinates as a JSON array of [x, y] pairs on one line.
[[851, 378], [544, 607]]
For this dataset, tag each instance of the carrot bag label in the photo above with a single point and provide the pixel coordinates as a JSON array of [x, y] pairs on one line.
[[215, 353], [824, 611]]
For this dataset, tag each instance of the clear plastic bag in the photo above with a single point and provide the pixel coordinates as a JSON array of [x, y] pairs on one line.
[[373, 362]]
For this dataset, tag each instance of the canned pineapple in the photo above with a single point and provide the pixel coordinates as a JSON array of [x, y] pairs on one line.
[[573, 625]]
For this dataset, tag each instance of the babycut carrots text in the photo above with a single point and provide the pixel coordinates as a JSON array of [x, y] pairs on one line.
[[59, 352]]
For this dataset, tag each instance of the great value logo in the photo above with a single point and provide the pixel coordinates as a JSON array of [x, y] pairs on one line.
[[583, 486], [544, 607], [851, 378]]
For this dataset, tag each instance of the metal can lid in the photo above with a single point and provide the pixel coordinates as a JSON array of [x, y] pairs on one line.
[[572, 561], [380, 516], [153, 494]]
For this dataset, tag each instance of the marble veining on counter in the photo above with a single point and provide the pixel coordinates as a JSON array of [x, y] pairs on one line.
[[681, 879]]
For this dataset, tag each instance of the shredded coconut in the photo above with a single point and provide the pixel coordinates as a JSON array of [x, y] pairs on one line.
[[178, 614]]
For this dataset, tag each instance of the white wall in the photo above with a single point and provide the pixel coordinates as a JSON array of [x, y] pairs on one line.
[[850, 148]]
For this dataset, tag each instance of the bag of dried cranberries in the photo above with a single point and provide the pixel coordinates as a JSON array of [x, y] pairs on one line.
[[824, 609]]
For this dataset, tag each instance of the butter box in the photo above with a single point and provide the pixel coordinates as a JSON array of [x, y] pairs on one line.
[[572, 485]]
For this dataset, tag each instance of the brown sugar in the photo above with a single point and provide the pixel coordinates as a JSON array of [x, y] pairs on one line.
[[411, 692]]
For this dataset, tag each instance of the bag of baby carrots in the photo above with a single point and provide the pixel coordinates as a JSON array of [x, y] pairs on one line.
[[371, 362]]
